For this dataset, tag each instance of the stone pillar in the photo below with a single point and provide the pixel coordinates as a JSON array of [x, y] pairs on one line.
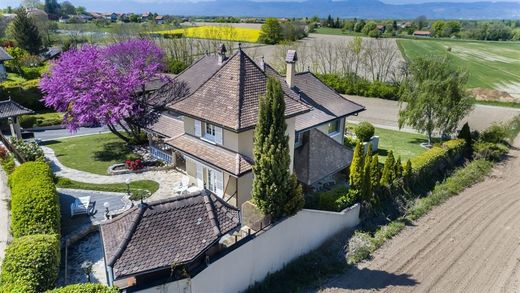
[[14, 124]]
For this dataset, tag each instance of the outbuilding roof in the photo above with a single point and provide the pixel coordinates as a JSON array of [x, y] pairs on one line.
[[155, 235], [4, 56], [10, 108]]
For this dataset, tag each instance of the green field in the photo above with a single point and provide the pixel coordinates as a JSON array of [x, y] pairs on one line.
[[494, 65]]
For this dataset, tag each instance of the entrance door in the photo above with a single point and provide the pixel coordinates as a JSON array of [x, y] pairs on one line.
[[215, 182]]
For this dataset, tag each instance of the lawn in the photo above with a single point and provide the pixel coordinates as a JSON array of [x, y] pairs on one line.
[[216, 32], [91, 153], [404, 144], [493, 65], [136, 187]]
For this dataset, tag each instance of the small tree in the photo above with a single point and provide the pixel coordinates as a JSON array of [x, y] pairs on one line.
[[435, 96], [364, 131], [271, 31], [398, 168], [367, 182], [356, 170], [407, 172], [375, 174], [26, 33], [274, 191], [388, 175]]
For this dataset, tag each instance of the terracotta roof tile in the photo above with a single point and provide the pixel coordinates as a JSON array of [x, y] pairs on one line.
[[172, 231], [167, 126], [231, 162]]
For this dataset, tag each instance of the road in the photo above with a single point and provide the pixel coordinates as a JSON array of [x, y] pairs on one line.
[[64, 133], [384, 113], [471, 243]]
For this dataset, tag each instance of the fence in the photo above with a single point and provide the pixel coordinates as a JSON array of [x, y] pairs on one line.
[[11, 148]]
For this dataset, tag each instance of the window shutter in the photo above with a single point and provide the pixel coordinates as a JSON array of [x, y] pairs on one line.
[[198, 128], [219, 183], [218, 135], [200, 176]]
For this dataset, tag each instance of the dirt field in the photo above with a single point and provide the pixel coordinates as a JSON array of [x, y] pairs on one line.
[[471, 243]]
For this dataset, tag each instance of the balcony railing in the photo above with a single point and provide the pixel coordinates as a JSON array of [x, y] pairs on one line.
[[161, 154]]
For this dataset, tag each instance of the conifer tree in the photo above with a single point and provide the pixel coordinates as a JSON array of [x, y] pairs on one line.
[[356, 170], [407, 172], [388, 174], [375, 173], [274, 191], [398, 168], [367, 183], [26, 33]]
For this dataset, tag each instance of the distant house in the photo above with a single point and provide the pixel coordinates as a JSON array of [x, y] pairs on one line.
[[35, 12], [97, 15], [160, 19], [122, 17], [51, 53], [112, 17], [168, 240], [4, 56], [146, 16], [381, 28], [424, 34], [407, 24]]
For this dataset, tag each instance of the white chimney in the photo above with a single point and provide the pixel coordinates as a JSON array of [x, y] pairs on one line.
[[290, 59]]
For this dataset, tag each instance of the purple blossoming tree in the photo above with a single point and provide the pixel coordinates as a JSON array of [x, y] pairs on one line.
[[106, 85]]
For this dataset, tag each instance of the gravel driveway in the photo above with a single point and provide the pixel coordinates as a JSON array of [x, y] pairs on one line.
[[468, 244], [384, 114]]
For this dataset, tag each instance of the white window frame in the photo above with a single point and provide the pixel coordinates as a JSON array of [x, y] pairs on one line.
[[335, 132], [212, 134], [298, 139]]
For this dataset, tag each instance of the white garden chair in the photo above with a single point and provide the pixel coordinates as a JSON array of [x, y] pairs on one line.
[[183, 185]]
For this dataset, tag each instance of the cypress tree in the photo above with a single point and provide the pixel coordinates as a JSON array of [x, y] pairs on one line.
[[388, 174], [398, 168], [26, 33], [274, 191], [407, 172], [375, 173], [367, 182], [356, 169]]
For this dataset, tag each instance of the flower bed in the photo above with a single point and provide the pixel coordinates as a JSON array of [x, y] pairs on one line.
[[137, 166]]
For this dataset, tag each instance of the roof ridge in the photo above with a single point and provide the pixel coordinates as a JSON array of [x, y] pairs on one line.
[[207, 80], [213, 217], [241, 85]]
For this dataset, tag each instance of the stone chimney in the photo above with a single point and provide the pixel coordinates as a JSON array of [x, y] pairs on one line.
[[290, 59], [262, 64], [221, 51]]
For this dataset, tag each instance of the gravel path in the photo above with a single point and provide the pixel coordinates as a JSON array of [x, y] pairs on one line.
[[471, 243], [385, 113], [166, 179], [5, 195]]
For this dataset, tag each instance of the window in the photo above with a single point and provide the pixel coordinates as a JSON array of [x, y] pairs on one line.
[[334, 127], [298, 140], [210, 131]]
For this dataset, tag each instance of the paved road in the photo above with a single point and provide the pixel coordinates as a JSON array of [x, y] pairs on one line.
[[471, 243], [384, 113], [62, 133]]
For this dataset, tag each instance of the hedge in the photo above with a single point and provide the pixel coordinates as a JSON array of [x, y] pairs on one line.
[[429, 160], [85, 288], [35, 207], [351, 84], [25, 93], [31, 264]]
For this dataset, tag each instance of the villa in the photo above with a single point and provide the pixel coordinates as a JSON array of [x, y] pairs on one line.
[[209, 132]]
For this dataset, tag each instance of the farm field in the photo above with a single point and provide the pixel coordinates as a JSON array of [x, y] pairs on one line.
[[228, 33], [492, 65]]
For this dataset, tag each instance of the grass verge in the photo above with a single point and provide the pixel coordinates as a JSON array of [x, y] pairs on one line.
[[499, 104], [136, 187]]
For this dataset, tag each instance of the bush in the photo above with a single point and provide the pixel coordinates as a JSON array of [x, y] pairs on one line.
[[489, 151], [352, 84], [364, 131], [85, 288], [360, 247], [31, 263], [328, 200], [25, 93], [429, 159], [30, 151], [35, 205], [8, 164], [27, 121], [4, 153], [496, 133], [176, 66]]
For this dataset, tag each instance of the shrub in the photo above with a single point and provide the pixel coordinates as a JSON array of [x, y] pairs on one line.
[[27, 121], [4, 153], [25, 93], [429, 159], [489, 151], [328, 200], [387, 232], [134, 165], [176, 66], [349, 199], [496, 133], [35, 205], [85, 288], [352, 84], [364, 131], [30, 151], [8, 164], [360, 247], [32, 263]]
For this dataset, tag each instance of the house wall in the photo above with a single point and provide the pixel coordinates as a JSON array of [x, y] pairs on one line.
[[338, 137], [272, 249], [245, 184], [180, 286]]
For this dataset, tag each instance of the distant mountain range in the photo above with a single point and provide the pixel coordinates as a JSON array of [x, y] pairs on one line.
[[348, 8]]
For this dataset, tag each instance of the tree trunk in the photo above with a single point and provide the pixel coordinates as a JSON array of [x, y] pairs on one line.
[[117, 133]]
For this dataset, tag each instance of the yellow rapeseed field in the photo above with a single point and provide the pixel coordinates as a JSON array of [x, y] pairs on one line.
[[227, 33]]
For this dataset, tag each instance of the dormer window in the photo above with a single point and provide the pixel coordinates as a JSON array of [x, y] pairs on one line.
[[333, 127], [210, 132]]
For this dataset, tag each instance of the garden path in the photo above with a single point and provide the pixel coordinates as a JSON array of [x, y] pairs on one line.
[[5, 231], [166, 179]]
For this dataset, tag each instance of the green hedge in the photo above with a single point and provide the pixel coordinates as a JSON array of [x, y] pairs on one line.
[[328, 200], [31, 264], [25, 93], [35, 205], [351, 84], [85, 288], [431, 160]]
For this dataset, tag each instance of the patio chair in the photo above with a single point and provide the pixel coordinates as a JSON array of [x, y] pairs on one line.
[[80, 206], [183, 185]]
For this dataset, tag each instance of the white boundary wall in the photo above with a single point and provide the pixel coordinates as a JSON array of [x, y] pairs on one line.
[[271, 250]]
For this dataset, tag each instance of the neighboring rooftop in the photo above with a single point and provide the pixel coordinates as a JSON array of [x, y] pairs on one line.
[[215, 155], [155, 235], [4, 56], [167, 126], [10, 108]]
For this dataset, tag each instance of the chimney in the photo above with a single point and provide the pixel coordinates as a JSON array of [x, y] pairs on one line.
[[290, 59], [262, 64], [221, 51]]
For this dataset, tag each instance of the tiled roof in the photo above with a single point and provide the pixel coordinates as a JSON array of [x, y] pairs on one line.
[[319, 157], [172, 231], [4, 56], [327, 104], [230, 96], [231, 162], [167, 126], [10, 108]]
